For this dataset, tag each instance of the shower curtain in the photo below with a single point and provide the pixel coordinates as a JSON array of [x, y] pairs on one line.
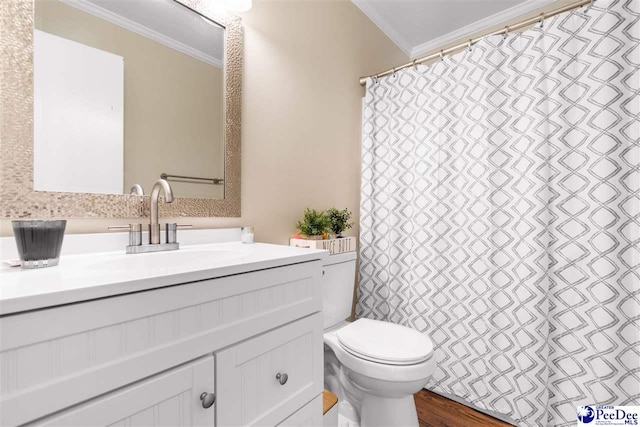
[[500, 214]]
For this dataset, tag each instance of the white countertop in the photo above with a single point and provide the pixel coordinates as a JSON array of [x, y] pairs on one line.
[[98, 275]]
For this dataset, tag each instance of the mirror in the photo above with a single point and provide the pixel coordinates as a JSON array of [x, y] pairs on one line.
[[126, 93], [20, 196]]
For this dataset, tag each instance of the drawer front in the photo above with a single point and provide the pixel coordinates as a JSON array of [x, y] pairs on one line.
[[310, 415], [65, 355], [170, 399], [249, 392]]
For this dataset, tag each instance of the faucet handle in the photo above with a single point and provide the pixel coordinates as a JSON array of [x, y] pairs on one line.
[[172, 231], [135, 232]]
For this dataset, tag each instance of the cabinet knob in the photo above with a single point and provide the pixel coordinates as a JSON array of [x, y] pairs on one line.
[[207, 399], [282, 378]]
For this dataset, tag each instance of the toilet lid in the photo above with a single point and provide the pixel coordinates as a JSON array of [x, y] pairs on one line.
[[385, 342]]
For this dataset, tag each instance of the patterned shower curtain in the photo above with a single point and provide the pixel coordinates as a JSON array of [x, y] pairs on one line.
[[500, 214]]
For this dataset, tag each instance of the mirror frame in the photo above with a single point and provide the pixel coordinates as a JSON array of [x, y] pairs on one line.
[[17, 196]]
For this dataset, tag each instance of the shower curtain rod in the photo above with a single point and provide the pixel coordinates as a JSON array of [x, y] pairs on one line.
[[505, 30]]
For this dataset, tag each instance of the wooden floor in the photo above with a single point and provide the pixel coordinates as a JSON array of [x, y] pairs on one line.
[[437, 411]]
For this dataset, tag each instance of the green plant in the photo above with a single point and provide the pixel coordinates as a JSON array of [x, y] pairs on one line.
[[339, 220], [313, 223]]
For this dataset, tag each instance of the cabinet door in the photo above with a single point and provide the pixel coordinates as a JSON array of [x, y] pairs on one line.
[[169, 399], [310, 415], [249, 390]]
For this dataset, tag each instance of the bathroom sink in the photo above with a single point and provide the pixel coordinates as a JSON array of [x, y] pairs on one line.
[[193, 259]]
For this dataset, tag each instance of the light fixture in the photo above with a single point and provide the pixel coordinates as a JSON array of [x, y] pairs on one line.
[[239, 5]]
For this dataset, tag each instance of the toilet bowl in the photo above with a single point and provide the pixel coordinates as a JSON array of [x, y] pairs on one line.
[[374, 367]]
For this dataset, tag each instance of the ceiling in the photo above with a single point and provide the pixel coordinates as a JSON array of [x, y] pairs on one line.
[[419, 27], [164, 21]]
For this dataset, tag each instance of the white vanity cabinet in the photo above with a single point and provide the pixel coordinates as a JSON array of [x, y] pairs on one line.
[[168, 399], [146, 358], [260, 379]]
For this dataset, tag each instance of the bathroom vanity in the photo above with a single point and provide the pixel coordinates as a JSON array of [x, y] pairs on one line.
[[220, 334]]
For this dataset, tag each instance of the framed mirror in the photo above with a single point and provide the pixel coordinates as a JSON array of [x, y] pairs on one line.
[[110, 94]]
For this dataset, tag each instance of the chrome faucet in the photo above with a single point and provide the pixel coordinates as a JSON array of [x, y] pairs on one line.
[[135, 230], [154, 226], [136, 190]]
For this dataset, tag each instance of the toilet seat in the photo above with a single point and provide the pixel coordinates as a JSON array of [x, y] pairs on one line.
[[384, 342], [377, 370]]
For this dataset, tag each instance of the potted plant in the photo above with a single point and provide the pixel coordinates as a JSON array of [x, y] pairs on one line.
[[313, 224], [339, 221]]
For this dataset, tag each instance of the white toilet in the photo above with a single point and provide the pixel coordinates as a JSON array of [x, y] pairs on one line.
[[374, 367]]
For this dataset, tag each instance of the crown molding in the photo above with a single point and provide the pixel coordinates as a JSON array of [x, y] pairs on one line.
[[383, 25], [471, 29], [114, 18]]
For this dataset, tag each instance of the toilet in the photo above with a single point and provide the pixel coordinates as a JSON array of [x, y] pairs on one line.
[[374, 367]]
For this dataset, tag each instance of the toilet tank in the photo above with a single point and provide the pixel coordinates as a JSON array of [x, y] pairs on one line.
[[339, 273]]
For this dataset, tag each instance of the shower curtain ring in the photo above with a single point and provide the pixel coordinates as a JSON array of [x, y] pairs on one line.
[[469, 45], [415, 66], [506, 32], [441, 55], [394, 72], [375, 79], [542, 17]]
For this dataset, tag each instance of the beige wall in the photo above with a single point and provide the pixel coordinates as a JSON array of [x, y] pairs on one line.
[[302, 109], [172, 124], [301, 113]]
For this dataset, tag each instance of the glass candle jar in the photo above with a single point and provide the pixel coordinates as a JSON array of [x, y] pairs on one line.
[[39, 241]]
